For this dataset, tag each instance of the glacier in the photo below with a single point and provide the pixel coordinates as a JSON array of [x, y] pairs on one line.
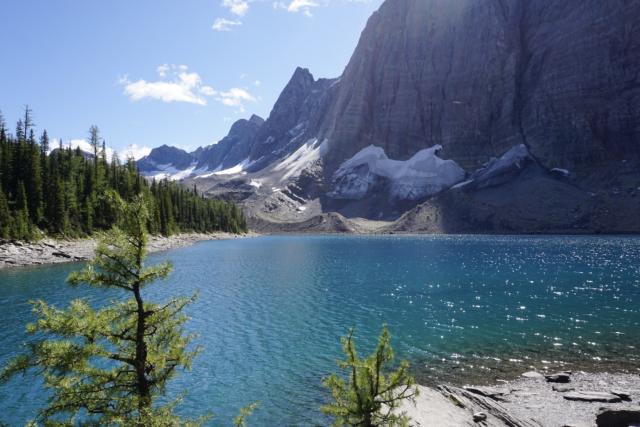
[[423, 175]]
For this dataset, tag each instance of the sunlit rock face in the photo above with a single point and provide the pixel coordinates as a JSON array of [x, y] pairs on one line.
[[479, 77]]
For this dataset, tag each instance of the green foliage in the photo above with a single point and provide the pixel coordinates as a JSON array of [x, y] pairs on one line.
[[369, 398], [63, 192], [241, 419], [108, 366]]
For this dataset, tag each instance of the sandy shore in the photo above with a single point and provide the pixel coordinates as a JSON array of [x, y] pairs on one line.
[[582, 399], [48, 251]]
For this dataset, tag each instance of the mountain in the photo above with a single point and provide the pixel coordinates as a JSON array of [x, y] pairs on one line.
[[166, 162], [176, 164], [232, 149], [454, 116]]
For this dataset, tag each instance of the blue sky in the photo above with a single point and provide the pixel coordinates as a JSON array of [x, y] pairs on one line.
[[153, 72]]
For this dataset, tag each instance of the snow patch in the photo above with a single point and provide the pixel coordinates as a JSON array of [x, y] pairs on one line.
[[423, 175], [304, 156], [560, 171], [500, 170], [255, 183], [171, 173], [234, 170]]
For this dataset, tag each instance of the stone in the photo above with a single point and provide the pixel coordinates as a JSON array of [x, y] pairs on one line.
[[61, 254], [592, 396], [479, 416], [488, 392], [558, 378], [562, 388], [609, 417], [532, 374], [622, 394]]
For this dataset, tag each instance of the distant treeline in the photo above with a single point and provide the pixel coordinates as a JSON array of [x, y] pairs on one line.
[[64, 192]]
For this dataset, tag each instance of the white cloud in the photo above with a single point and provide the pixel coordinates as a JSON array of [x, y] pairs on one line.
[[235, 97], [237, 7], [257, 83], [207, 91], [176, 84], [136, 152], [81, 143], [222, 24], [295, 6], [162, 70], [306, 6], [133, 150]]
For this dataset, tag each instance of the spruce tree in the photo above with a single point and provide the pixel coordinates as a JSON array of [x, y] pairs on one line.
[[110, 365]]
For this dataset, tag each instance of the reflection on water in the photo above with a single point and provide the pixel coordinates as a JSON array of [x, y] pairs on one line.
[[461, 308]]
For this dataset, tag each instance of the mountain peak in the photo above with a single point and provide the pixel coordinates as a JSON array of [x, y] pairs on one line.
[[255, 119]]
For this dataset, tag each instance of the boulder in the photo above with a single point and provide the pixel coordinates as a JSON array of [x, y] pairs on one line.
[[479, 416], [609, 417], [561, 377]]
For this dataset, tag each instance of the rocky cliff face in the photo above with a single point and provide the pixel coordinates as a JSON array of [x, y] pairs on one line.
[[533, 108], [296, 113], [232, 149], [561, 77]]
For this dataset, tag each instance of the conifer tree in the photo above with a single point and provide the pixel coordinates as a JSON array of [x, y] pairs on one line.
[[65, 190], [370, 398], [110, 365], [5, 216], [22, 227]]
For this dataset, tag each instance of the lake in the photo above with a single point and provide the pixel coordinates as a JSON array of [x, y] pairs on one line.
[[271, 310]]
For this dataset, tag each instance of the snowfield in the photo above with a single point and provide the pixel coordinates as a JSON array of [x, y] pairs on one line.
[[422, 175], [304, 156]]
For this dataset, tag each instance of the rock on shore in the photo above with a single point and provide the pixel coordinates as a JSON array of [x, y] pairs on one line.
[[531, 401], [49, 251]]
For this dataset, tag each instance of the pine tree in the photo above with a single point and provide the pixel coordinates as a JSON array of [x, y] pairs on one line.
[[5, 217], [28, 121], [44, 168], [111, 364], [22, 227], [65, 191], [34, 179], [370, 398], [94, 141]]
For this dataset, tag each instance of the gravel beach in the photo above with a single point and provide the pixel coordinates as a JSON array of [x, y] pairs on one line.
[[15, 254]]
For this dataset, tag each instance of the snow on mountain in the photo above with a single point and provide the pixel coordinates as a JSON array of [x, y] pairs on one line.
[[303, 157], [500, 170], [422, 175], [233, 170]]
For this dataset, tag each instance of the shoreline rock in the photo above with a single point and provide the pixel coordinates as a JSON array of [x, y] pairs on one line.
[[16, 254], [530, 401]]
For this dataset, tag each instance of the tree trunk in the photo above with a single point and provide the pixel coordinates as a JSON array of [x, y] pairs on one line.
[[144, 392]]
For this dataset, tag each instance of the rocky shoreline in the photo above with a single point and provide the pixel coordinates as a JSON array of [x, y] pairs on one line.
[[15, 254], [569, 399]]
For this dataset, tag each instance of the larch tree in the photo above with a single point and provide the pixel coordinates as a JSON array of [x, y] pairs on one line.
[[109, 365], [369, 398]]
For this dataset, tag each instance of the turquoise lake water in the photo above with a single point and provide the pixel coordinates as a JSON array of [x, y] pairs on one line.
[[461, 308]]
